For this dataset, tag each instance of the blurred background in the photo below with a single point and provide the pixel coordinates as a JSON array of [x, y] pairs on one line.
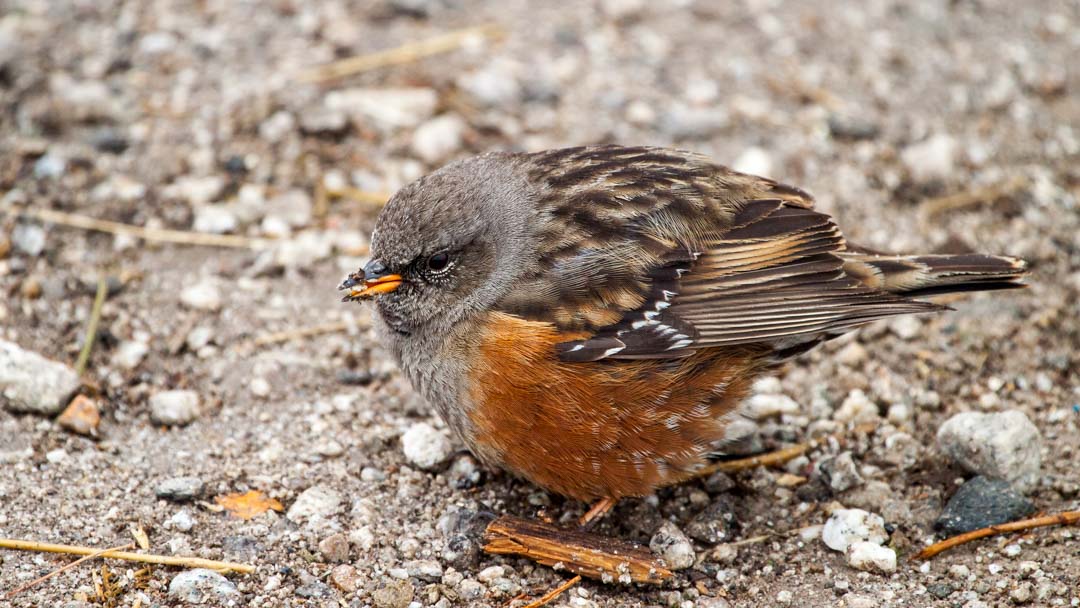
[[209, 170]]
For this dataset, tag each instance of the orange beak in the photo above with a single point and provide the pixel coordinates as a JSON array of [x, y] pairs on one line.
[[374, 287]]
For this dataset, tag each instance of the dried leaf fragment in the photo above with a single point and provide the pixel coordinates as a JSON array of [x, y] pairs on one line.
[[249, 504]]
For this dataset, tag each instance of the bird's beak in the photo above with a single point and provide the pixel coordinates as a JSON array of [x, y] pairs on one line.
[[369, 282]]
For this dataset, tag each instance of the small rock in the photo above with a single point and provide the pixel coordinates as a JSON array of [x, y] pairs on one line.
[[321, 120], [940, 590], [714, 523], [906, 327], [215, 219], [1004, 445], [396, 594], [197, 191], [30, 383], [840, 472], [28, 238], [852, 128], [259, 387], [785, 597], [982, 502], [203, 295], [81, 416], [182, 521], [202, 586], [761, 406], [438, 138], [465, 472], [129, 354], [470, 589], [852, 355], [314, 589], [718, 483], [199, 337], [847, 526], [670, 544], [489, 574], [335, 548], [857, 407], [180, 489], [1023, 593], [50, 166], [684, 122], [755, 161], [932, 159], [344, 577], [293, 207], [174, 408], [871, 557], [427, 570], [494, 84], [959, 571], [303, 250], [424, 446], [385, 109], [315, 504]]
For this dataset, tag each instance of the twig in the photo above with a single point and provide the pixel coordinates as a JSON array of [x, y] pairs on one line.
[[1066, 518], [590, 555], [303, 332], [91, 325], [554, 593], [167, 560], [935, 206], [163, 235], [362, 196], [42, 579], [775, 458], [406, 53]]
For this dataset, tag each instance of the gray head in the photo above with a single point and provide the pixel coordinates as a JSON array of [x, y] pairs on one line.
[[449, 245]]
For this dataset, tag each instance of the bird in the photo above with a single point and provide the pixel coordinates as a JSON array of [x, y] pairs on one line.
[[591, 319]]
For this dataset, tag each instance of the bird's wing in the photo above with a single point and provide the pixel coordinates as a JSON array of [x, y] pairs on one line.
[[656, 254]]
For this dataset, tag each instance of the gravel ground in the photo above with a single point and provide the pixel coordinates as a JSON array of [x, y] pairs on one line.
[[193, 116]]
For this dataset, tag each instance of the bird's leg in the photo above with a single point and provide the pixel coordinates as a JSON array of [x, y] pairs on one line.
[[596, 512]]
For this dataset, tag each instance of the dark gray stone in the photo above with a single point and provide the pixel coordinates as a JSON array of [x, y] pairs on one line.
[[982, 502], [714, 523]]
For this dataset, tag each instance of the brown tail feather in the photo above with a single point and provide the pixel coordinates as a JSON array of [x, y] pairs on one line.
[[925, 275]]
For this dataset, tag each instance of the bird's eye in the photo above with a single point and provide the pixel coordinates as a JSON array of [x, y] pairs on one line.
[[438, 261]]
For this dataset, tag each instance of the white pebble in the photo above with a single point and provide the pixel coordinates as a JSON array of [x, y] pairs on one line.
[[1004, 445], [424, 446], [847, 526], [871, 557], [672, 546], [174, 408], [203, 295]]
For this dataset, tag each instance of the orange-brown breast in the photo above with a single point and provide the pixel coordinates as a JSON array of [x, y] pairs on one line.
[[610, 428]]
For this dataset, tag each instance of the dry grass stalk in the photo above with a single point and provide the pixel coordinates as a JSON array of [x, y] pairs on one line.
[[92, 325], [42, 579], [934, 207], [159, 235], [1066, 518], [554, 593], [406, 53], [147, 558]]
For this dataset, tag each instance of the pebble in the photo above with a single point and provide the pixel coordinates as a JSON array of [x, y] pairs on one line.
[[670, 544], [494, 84], [762, 406], [464, 473], [847, 526], [259, 387], [424, 446], [174, 408], [852, 128], [940, 590], [385, 109], [314, 505], [129, 354], [755, 161], [1023, 593], [470, 589], [215, 219], [438, 138], [197, 191], [321, 120], [931, 159], [489, 574], [203, 295], [840, 472], [28, 238], [294, 207], [199, 337], [303, 250], [81, 416], [395, 594], [50, 166], [427, 570], [906, 327], [202, 586], [713, 524], [180, 489], [856, 407], [871, 557], [1003, 445], [685, 122], [344, 577], [982, 502], [30, 383], [335, 548], [182, 521]]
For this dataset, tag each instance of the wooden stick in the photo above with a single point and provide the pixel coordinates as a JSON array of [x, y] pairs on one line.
[[42, 579], [162, 235], [774, 458], [166, 560], [554, 593], [406, 53], [590, 555], [302, 332], [1066, 518], [363, 196], [91, 325], [935, 206]]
